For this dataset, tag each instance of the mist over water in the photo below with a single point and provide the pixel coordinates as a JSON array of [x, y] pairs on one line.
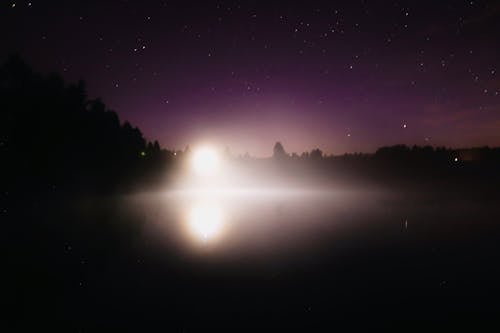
[[276, 223], [385, 254], [247, 221], [286, 246]]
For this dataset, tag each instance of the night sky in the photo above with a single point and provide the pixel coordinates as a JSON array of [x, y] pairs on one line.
[[342, 76]]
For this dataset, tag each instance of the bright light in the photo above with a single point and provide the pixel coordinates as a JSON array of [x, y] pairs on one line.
[[205, 161], [205, 221]]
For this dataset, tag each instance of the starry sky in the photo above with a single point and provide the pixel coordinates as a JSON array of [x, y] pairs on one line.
[[344, 76]]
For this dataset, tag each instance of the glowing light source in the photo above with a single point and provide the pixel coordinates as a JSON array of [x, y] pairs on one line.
[[205, 221], [205, 161]]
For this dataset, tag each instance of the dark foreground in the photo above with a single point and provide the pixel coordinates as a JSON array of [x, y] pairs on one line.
[[406, 260]]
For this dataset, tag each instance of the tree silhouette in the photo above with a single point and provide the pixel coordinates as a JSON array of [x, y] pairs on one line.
[[52, 133], [279, 151], [316, 154]]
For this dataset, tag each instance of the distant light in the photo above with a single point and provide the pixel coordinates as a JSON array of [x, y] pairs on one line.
[[456, 159], [205, 161], [143, 153]]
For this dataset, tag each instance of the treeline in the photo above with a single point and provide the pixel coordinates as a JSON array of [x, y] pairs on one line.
[[398, 165], [52, 135], [400, 153]]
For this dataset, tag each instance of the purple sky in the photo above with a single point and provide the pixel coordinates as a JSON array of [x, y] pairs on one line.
[[342, 76]]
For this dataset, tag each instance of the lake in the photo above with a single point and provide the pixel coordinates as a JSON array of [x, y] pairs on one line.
[[188, 258]]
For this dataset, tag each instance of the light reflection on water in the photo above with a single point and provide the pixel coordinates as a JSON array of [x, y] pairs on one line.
[[206, 220], [211, 212], [235, 220]]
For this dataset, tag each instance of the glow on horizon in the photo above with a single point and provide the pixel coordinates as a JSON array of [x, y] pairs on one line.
[[205, 161]]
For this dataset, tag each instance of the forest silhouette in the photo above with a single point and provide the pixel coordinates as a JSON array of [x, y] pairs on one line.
[[73, 263], [53, 135]]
